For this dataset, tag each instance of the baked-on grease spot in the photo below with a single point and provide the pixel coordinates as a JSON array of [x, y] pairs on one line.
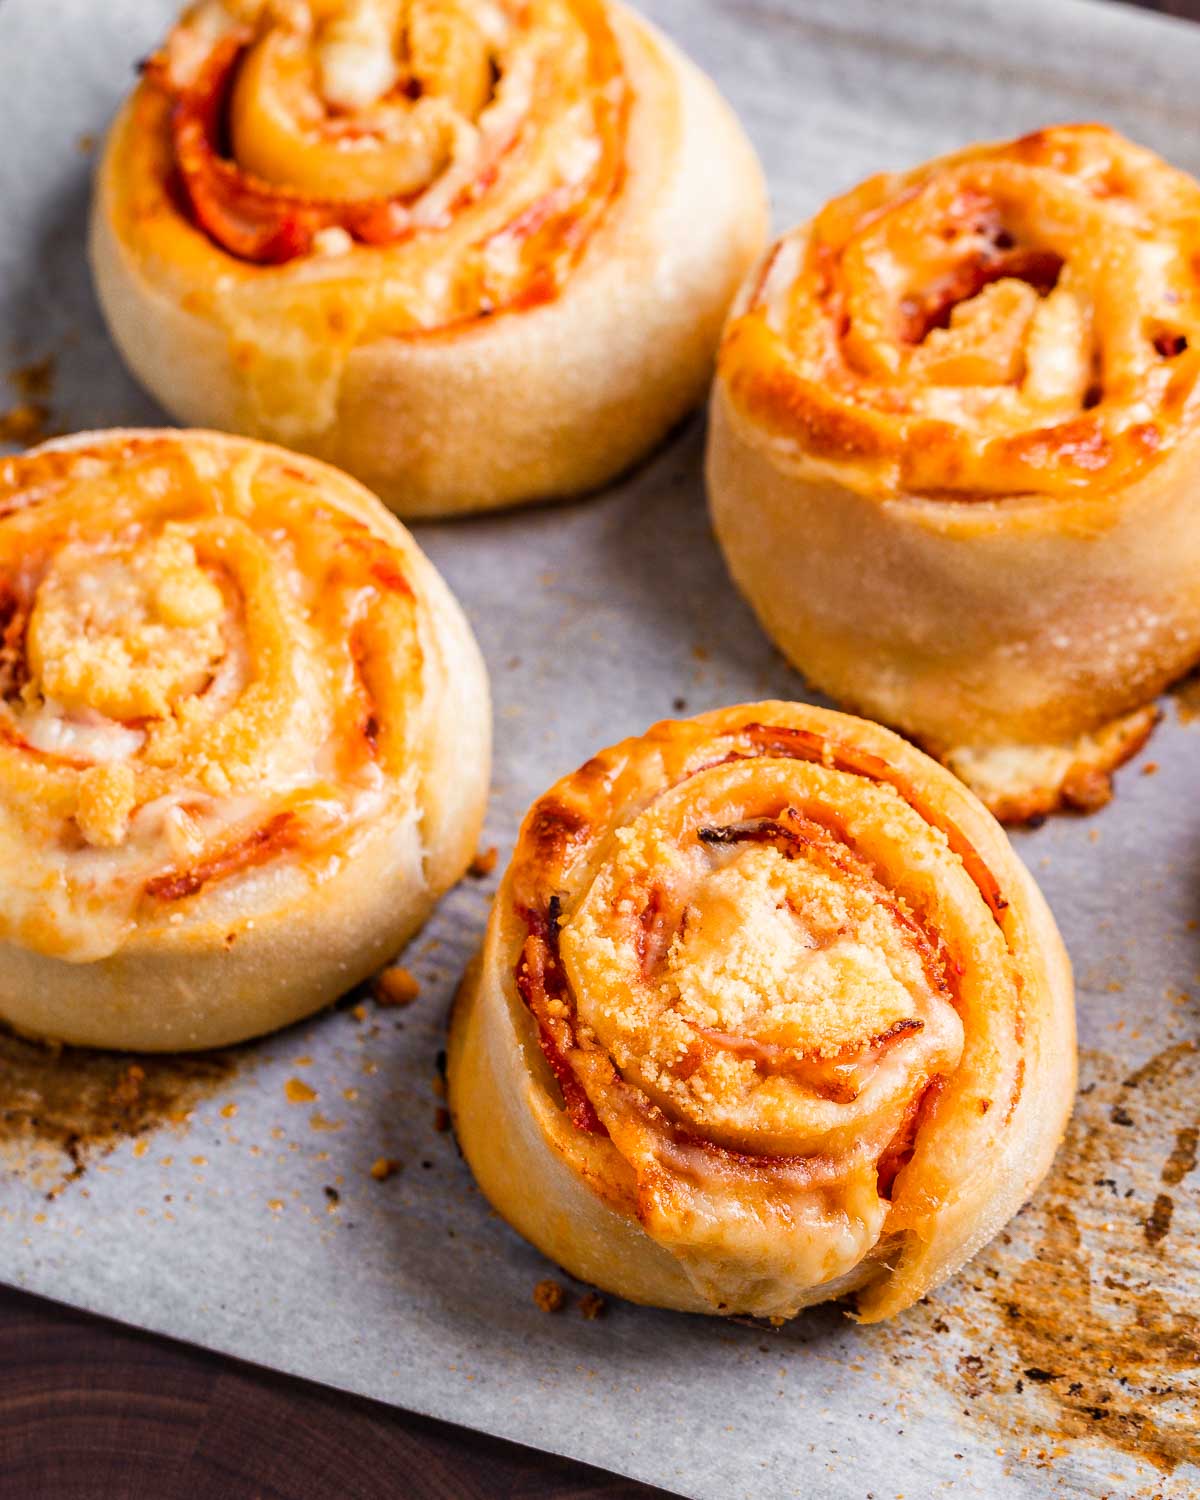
[[1182, 1159], [1070, 1322], [63, 1107], [27, 422], [35, 380], [1158, 1222]]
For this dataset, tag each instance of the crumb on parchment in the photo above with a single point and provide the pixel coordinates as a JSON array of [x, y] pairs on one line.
[[396, 986], [549, 1296], [484, 862], [384, 1167], [592, 1306]]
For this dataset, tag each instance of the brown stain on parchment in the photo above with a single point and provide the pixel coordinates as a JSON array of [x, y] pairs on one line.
[[27, 422], [63, 1107], [35, 380], [1103, 1316], [1080, 1323]]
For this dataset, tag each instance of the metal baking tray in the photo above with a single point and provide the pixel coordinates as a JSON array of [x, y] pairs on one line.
[[229, 1200]]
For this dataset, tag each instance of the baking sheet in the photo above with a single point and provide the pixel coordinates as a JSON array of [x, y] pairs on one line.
[[237, 1209]]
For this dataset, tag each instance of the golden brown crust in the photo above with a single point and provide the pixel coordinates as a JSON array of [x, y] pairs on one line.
[[767, 1010], [1025, 783], [450, 341], [953, 449], [230, 687]]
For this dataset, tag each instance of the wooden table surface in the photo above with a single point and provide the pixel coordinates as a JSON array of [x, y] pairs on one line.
[[89, 1409]]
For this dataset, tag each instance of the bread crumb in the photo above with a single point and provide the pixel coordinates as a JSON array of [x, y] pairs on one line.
[[549, 1296], [1150, 768], [592, 1306], [359, 1012], [484, 863], [396, 986], [385, 1167]]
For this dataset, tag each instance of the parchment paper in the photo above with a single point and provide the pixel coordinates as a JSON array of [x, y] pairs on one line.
[[1063, 1361]]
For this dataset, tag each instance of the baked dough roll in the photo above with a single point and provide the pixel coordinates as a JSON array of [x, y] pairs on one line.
[[955, 451], [767, 1012], [476, 252], [244, 739]]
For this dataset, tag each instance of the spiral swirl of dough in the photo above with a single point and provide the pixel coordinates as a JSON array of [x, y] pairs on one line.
[[954, 445], [475, 252], [1014, 319], [226, 673], [794, 994], [398, 122]]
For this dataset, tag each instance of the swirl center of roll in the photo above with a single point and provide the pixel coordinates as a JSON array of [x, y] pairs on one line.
[[773, 951], [369, 100], [488, 134], [756, 979], [1014, 319], [129, 634]]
